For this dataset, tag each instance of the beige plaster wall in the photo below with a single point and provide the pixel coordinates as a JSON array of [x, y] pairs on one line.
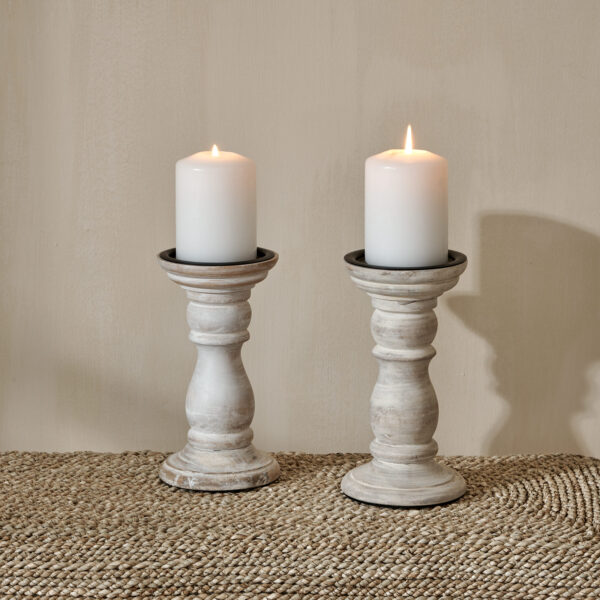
[[99, 99]]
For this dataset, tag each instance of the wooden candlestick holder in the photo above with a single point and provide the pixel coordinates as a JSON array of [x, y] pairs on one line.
[[404, 408], [219, 454]]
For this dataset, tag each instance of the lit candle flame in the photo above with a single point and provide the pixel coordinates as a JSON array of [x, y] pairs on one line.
[[215, 150], [408, 144]]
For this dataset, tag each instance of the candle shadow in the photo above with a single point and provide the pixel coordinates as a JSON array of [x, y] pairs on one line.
[[538, 307]]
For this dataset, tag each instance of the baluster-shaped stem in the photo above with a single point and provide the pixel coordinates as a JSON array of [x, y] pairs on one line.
[[404, 408], [219, 454]]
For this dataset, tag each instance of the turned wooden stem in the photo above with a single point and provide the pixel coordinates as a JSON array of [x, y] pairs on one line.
[[403, 333], [220, 402], [404, 408], [219, 454]]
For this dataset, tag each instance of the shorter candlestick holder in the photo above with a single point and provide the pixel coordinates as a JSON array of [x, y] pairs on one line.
[[219, 454], [404, 408]]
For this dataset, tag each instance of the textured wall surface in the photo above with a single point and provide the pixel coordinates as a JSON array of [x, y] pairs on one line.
[[99, 99]]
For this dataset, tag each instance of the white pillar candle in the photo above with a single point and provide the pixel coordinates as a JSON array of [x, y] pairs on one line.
[[215, 207], [406, 208]]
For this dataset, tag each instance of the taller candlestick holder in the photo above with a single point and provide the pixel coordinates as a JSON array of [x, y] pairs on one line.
[[219, 454], [404, 408]]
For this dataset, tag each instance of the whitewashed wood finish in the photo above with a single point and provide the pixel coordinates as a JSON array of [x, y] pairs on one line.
[[219, 454], [404, 408]]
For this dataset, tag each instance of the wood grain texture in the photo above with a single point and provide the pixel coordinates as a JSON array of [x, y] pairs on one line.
[[219, 404], [99, 99], [404, 406]]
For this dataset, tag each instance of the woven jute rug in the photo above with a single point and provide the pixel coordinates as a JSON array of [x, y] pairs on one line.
[[88, 525]]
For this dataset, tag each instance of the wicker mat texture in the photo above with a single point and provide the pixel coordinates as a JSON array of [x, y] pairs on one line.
[[87, 525]]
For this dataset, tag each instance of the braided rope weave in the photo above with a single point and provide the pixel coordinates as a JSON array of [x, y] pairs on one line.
[[88, 525]]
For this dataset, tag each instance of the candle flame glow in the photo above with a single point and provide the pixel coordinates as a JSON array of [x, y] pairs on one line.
[[215, 150], [408, 145]]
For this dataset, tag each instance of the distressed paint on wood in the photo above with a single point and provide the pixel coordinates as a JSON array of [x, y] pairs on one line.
[[404, 407], [219, 454]]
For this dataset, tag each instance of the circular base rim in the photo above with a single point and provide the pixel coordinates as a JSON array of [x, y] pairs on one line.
[[357, 258], [354, 486], [262, 255], [196, 479]]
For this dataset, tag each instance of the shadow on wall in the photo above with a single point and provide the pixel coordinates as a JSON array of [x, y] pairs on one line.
[[539, 309]]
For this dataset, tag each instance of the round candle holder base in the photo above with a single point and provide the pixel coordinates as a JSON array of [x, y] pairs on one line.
[[221, 470], [389, 484], [404, 408], [219, 455]]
